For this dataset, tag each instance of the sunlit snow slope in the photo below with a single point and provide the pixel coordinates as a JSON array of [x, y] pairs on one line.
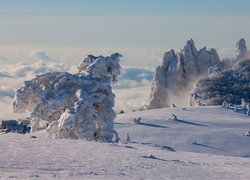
[[216, 130], [158, 149]]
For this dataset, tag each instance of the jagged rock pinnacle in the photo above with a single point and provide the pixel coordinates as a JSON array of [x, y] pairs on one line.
[[241, 49], [178, 72]]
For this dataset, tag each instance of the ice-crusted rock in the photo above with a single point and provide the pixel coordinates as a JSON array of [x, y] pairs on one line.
[[175, 78], [241, 49], [74, 105]]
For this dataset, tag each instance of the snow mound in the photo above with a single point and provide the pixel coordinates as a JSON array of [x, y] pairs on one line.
[[74, 105]]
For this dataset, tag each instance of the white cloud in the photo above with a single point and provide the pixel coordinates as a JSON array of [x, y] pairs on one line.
[[21, 70], [3, 58], [6, 92], [12, 77], [226, 53], [127, 83], [39, 55], [131, 99], [132, 89], [134, 77]]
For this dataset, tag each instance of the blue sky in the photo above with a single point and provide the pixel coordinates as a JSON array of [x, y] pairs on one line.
[[124, 7], [160, 24]]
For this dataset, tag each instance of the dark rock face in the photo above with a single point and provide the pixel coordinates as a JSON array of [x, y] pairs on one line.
[[175, 78]]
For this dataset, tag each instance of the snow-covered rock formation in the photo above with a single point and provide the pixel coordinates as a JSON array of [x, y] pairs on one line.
[[174, 79], [74, 105], [231, 86], [241, 49]]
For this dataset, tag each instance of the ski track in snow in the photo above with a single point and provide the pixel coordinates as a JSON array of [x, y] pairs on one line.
[[159, 149]]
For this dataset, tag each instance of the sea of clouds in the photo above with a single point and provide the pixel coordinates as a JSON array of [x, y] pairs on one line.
[[132, 90]]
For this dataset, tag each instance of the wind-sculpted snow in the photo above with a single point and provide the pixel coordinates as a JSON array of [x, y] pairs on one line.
[[74, 105], [174, 79]]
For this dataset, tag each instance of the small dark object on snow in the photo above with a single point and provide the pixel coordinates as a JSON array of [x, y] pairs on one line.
[[173, 117], [247, 133], [194, 142], [168, 148], [33, 137], [127, 138], [150, 156], [137, 120], [121, 112]]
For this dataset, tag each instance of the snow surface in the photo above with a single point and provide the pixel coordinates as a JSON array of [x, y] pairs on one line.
[[216, 130], [193, 147]]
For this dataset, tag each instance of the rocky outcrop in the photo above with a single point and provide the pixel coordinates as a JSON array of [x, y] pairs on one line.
[[241, 49], [231, 86], [175, 78]]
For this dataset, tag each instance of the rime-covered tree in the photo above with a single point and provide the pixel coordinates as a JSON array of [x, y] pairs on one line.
[[74, 105]]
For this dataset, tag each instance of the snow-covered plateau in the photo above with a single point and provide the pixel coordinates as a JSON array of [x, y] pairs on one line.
[[196, 143]]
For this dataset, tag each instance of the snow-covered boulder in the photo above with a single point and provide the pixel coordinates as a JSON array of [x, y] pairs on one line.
[[174, 79], [231, 86], [74, 105]]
